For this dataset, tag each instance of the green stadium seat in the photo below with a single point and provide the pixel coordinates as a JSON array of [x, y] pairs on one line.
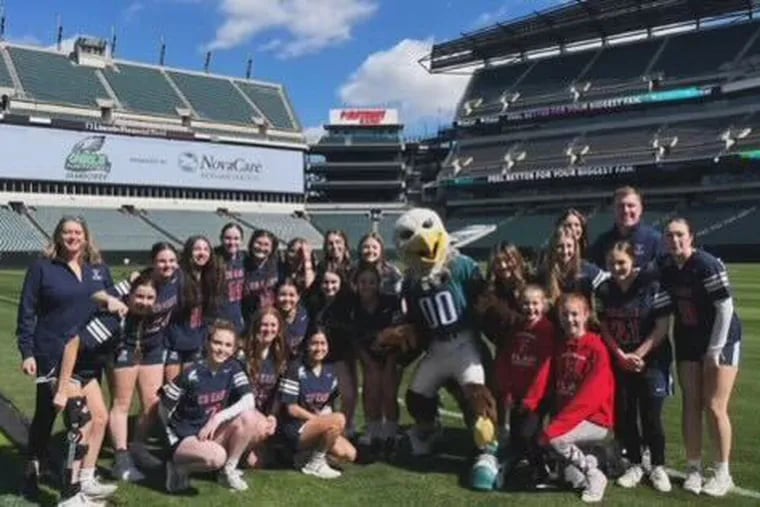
[[185, 223], [17, 234], [112, 229], [356, 225], [143, 89], [284, 226], [271, 102], [214, 98], [39, 70]]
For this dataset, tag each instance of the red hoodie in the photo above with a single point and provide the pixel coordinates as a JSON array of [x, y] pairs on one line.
[[583, 382], [518, 363]]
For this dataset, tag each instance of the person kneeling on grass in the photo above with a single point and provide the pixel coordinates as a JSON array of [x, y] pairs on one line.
[[584, 391], [308, 393], [205, 430]]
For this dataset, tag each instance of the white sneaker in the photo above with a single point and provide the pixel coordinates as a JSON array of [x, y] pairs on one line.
[[596, 483], [632, 477], [718, 485], [232, 478], [81, 500], [95, 489], [660, 480], [177, 479], [574, 477], [693, 482], [318, 467]]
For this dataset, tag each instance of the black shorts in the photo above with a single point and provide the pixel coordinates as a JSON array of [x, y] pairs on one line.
[[729, 355], [291, 433], [126, 356], [48, 372], [183, 356]]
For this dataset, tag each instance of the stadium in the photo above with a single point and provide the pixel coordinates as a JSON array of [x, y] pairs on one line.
[[562, 107]]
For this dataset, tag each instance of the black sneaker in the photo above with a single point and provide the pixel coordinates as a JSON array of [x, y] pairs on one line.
[[30, 488]]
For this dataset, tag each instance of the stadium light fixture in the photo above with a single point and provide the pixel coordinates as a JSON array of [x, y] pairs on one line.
[[576, 150], [514, 155], [472, 104], [507, 99], [460, 163], [579, 89]]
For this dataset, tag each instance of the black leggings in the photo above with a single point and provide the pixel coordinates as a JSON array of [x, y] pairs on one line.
[[42, 422], [636, 404]]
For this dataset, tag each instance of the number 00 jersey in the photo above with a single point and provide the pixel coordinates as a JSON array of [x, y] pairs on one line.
[[444, 311]]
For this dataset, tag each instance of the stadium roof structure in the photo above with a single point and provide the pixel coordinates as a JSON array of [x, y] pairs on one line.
[[578, 21]]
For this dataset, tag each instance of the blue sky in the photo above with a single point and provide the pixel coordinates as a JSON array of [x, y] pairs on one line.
[[328, 53]]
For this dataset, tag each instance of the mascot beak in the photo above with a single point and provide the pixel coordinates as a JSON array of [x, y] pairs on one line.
[[429, 247]]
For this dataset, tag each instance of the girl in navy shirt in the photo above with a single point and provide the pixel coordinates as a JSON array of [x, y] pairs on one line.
[[372, 254], [55, 302], [84, 359], [295, 318], [337, 255], [565, 271], [232, 259], [707, 336], [210, 415], [262, 272], [139, 362], [634, 313], [199, 303], [329, 308], [308, 393], [371, 312]]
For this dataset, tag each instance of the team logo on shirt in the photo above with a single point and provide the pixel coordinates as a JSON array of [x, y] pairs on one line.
[[97, 276]]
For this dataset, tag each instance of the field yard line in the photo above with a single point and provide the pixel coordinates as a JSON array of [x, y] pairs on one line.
[[749, 493]]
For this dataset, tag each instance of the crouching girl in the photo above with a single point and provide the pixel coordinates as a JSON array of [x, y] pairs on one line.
[[584, 389], [206, 430]]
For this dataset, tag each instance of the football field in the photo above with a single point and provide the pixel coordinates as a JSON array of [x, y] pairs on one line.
[[436, 481]]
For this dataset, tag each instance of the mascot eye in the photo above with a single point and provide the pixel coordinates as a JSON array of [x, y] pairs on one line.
[[427, 224], [405, 234]]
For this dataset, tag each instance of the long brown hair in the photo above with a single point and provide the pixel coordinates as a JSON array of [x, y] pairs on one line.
[[254, 347], [90, 255], [583, 240], [554, 271], [505, 252], [205, 290], [343, 264]]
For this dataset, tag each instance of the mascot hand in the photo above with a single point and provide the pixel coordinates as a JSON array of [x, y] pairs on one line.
[[481, 400], [401, 338]]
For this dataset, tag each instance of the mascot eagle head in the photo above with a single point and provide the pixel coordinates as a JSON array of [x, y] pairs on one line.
[[422, 241]]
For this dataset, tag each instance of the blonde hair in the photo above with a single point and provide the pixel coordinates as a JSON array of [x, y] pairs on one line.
[[555, 272], [90, 255]]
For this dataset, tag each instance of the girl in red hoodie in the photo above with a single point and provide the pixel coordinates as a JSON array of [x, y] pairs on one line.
[[581, 379], [517, 364]]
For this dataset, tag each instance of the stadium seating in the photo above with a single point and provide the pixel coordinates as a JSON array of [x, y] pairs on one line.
[[38, 70], [736, 229], [112, 229], [554, 75], [5, 76], [284, 226], [621, 64], [214, 98], [182, 224], [270, 102], [17, 234], [702, 52], [489, 83], [143, 89]]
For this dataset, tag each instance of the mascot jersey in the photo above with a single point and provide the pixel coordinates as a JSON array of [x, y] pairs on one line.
[[443, 309]]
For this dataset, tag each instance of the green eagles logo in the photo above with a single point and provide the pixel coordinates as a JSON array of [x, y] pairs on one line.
[[85, 156]]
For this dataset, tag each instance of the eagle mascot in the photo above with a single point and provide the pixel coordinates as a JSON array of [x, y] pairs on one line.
[[440, 290]]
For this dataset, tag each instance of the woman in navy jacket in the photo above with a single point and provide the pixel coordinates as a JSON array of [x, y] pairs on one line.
[[55, 301]]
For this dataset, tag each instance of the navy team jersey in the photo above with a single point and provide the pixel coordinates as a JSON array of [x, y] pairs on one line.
[[630, 316], [295, 332], [54, 303], [231, 307], [155, 327], [310, 391], [694, 288], [265, 383], [199, 393], [367, 324], [444, 310], [646, 241], [260, 283], [188, 328]]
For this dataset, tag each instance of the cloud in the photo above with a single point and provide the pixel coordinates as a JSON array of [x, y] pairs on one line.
[[311, 25], [26, 40], [392, 77], [132, 10], [312, 134], [67, 44], [491, 17]]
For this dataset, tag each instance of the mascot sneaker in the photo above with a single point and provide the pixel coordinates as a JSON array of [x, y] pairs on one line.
[[485, 473]]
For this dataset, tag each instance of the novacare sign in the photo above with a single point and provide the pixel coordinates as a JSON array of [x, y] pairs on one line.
[[57, 155]]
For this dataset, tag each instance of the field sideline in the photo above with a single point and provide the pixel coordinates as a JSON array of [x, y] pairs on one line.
[[433, 482]]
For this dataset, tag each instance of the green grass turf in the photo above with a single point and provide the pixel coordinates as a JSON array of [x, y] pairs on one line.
[[433, 482]]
